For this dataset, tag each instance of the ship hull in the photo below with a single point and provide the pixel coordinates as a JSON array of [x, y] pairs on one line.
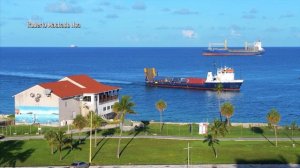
[[226, 86], [231, 53]]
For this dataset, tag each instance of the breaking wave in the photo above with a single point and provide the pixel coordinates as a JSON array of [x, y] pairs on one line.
[[30, 75], [55, 77], [113, 81]]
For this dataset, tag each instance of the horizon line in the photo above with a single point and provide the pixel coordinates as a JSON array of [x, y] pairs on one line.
[[130, 46]]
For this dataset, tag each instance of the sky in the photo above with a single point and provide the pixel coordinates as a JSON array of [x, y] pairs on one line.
[[145, 23]]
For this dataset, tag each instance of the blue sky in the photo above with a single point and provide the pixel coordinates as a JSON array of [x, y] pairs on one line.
[[155, 23]]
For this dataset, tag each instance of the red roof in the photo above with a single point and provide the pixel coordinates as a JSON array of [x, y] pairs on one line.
[[66, 88], [92, 86]]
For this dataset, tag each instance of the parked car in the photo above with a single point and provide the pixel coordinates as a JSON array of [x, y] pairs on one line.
[[2, 136], [79, 165]]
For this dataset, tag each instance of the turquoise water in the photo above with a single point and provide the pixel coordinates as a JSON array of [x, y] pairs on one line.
[[271, 80]]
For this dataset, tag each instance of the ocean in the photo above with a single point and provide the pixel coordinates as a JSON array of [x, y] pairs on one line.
[[270, 81]]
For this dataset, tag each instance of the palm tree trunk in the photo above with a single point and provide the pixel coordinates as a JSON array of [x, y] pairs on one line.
[[60, 153], [228, 121], [275, 134], [118, 152], [95, 137], [160, 121], [219, 106], [215, 152]]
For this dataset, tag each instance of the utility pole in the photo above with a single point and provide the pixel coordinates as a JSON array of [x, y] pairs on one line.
[[188, 154], [90, 158]]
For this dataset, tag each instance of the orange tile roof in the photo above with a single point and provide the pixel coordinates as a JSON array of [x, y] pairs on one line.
[[63, 88], [66, 88], [92, 86]]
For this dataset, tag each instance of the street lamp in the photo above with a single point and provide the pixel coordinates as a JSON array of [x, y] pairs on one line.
[[188, 153], [90, 158]]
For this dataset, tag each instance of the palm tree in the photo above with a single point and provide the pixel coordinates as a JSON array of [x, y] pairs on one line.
[[294, 126], [219, 89], [50, 136], [273, 118], [211, 141], [60, 141], [161, 105], [79, 123], [122, 108], [227, 110], [96, 121], [11, 119], [217, 128]]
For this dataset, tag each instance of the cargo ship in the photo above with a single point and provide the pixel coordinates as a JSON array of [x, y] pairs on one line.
[[249, 49], [224, 78]]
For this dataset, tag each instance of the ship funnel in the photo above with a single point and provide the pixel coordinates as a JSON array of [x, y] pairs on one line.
[[150, 74]]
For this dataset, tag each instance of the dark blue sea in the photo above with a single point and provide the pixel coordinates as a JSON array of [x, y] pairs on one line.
[[271, 80]]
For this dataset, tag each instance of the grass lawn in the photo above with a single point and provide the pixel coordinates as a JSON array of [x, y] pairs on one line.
[[193, 131], [148, 151]]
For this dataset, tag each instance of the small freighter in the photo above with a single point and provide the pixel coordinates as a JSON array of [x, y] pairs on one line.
[[248, 50], [224, 76]]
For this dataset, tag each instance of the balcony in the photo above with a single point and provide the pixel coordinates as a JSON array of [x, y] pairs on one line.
[[107, 99]]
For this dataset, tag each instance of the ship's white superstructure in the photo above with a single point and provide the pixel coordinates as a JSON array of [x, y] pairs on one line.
[[224, 74]]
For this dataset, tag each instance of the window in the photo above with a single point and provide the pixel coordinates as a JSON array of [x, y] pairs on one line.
[[108, 107], [87, 98], [74, 114], [112, 106], [104, 108]]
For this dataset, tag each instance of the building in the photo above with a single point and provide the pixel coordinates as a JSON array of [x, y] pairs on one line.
[[58, 103]]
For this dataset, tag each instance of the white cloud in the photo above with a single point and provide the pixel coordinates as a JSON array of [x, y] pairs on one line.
[[235, 33], [287, 15], [139, 6], [112, 16], [185, 11], [166, 10], [119, 7], [248, 16], [63, 7], [105, 3], [188, 33], [133, 38], [36, 18], [253, 11]]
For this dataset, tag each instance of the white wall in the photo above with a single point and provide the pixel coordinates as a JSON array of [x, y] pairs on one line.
[[24, 98], [106, 104]]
